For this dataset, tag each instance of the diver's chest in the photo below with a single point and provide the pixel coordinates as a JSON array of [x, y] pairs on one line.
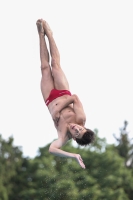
[[67, 114]]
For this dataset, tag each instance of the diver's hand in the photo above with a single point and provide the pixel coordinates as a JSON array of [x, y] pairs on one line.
[[79, 160]]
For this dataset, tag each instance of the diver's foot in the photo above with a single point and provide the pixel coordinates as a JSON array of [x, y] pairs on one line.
[[40, 28], [47, 29]]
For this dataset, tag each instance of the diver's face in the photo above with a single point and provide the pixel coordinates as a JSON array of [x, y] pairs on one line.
[[76, 130]]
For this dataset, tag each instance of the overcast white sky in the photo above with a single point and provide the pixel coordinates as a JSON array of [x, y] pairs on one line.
[[95, 40]]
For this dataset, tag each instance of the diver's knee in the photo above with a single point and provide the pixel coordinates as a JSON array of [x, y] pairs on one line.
[[45, 66], [55, 63]]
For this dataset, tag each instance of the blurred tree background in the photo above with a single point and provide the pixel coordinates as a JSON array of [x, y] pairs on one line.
[[108, 174]]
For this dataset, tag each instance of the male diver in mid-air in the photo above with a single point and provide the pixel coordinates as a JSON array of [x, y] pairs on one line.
[[66, 109]]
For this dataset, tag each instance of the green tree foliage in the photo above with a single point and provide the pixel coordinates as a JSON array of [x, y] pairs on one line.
[[47, 177], [10, 160], [125, 146], [15, 171]]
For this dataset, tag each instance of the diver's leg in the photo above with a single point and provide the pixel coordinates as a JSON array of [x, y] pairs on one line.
[[60, 80], [47, 83]]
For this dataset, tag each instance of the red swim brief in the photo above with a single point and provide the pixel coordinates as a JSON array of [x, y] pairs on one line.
[[55, 94]]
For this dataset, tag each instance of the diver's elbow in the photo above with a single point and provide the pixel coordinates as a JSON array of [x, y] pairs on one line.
[[51, 150]]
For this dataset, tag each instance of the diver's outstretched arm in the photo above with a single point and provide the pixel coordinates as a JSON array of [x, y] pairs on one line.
[[55, 150]]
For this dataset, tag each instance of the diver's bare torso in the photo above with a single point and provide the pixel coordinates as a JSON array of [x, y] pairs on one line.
[[67, 116]]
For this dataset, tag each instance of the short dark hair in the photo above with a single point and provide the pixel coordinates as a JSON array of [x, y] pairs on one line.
[[87, 138]]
